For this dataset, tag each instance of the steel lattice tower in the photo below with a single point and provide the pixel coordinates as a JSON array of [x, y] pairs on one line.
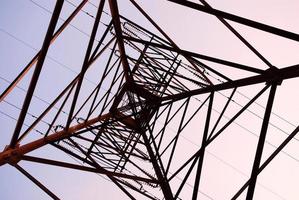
[[153, 86]]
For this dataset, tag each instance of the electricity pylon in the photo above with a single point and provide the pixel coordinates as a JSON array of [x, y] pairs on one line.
[[153, 86]]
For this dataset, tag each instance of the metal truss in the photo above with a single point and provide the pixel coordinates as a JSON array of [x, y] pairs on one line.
[[153, 85]]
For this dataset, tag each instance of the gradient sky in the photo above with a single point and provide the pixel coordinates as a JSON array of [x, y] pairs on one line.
[[23, 24]]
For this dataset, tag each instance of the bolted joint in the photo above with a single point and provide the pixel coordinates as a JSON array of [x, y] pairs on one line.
[[10, 156], [274, 76]]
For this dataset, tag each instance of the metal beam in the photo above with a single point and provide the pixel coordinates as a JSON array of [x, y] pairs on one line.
[[241, 38], [36, 73], [36, 182], [84, 168], [268, 76], [118, 33], [270, 158], [241, 20], [197, 55], [10, 153], [260, 146], [86, 61], [203, 145]]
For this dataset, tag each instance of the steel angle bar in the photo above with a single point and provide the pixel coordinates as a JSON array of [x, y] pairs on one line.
[[118, 32], [203, 145], [85, 62], [176, 138], [241, 38], [261, 142], [269, 159], [241, 20], [222, 112], [36, 182], [36, 73], [84, 168]]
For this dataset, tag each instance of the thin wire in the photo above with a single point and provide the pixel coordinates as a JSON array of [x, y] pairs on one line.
[[228, 164], [27, 113], [280, 117], [75, 27], [13, 118], [49, 57], [87, 13], [255, 114], [192, 186], [35, 96], [97, 8], [251, 132], [258, 116]]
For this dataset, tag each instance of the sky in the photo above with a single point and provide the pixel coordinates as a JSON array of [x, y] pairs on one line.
[[228, 161]]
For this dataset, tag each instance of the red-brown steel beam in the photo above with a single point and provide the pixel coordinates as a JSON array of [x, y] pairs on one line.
[[13, 154]]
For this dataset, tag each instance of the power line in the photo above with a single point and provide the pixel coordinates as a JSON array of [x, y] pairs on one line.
[[87, 13], [28, 113], [49, 57], [255, 114], [75, 27], [230, 165], [13, 118], [105, 12]]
